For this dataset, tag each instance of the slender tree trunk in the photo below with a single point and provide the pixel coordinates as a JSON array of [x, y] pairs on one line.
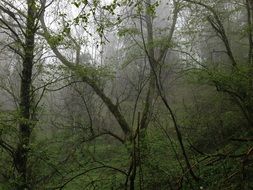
[[156, 83], [22, 150], [152, 85]]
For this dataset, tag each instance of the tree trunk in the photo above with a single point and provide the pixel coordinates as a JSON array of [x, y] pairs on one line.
[[21, 156]]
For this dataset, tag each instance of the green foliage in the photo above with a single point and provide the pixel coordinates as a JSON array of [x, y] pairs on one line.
[[161, 43], [128, 31], [151, 9], [94, 72], [82, 18], [62, 151], [78, 3], [55, 40]]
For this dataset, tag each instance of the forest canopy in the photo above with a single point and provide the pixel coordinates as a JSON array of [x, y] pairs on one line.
[[126, 94]]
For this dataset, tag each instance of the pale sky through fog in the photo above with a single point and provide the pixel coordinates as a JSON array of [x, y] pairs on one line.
[[90, 45]]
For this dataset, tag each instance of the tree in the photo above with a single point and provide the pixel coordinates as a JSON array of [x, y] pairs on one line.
[[22, 30], [126, 94]]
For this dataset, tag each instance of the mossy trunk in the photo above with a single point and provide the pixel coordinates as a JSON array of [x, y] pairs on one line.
[[22, 151]]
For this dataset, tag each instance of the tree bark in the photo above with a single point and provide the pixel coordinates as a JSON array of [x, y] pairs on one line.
[[22, 151]]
